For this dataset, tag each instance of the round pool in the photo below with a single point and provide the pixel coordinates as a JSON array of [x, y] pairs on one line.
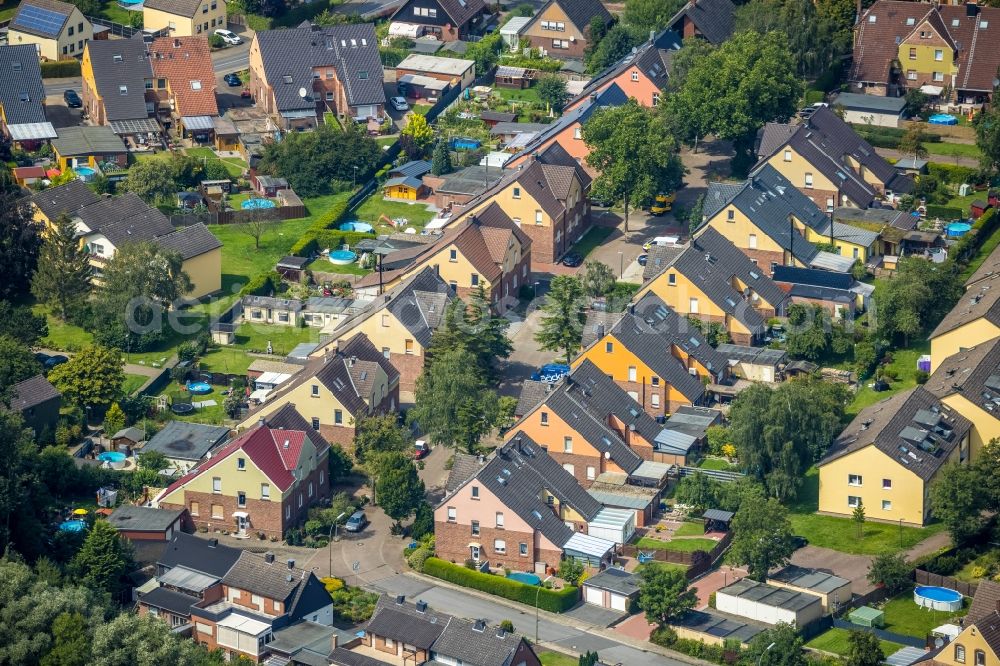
[[85, 173], [257, 204], [937, 598], [957, 229], [73, 526], [182, 408], [111, 456], [363, 227], [343, 257], [199, 388], [526, 578]]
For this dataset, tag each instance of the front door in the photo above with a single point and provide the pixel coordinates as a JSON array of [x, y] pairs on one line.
[[241, 524], [474, 552]]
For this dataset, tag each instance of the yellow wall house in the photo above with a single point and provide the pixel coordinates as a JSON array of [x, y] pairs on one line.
[[979, 642], [184, 18], [57, 29], [890, 454], [927, 55], [715, 282], [975, 318]]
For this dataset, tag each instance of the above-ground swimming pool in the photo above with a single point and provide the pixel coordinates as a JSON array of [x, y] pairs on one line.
[[111, 456], [182, 408], [257, 204], [342, 257], [937, 598], [957, 229], [85, 173], [943, 119], [73, 526], [526, 578], [363, 227], [199, 388]]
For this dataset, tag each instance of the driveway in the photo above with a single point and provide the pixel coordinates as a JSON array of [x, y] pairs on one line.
[[852, 567], [527, 356]]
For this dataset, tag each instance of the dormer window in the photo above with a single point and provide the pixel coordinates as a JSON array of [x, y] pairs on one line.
[[363, 75], [287, 79], [16, 66], [24, 97], [117, 57], [911, 21]]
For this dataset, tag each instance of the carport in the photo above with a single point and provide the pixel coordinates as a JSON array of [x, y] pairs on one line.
[[717, 520]]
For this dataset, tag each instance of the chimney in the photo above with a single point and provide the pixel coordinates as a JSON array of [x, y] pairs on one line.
[[262, 421], [291, 564], [212, 543], [631, 308], [421, 606], [269, 557], [600, 330], [177, 43], [971, 9], [351, 361]]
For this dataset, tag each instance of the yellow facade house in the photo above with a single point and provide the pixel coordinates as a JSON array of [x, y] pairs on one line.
[[184, 18], [975, 319], [57, 29], [887, 458], [979, 642]]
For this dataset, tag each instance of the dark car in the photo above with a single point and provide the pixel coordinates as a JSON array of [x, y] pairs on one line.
[[232, 80], [572, 260], [72, 99], [42, 358], [643, 258], [53, 361], [799, 542]]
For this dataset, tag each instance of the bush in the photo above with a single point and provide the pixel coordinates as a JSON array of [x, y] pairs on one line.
[[555, 601], [332, 584], [215, 41], [262, 285], [418, 558], [951, 173], [308, 244], [814, 96], [944, 212], [56, 69]]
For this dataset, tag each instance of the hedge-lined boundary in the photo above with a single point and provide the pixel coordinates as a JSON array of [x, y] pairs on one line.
[[951, 173], [314, 236], [57, 69], [262, 284], [944, 212], [554, 601]]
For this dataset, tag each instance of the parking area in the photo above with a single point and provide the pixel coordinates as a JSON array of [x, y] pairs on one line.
[[852, 567], [61, 115]]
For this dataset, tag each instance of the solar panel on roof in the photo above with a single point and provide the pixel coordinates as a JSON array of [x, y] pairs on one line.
[[42, 20]]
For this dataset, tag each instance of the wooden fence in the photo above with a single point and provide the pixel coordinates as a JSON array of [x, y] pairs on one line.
[[698, 561], [239, 216], [923, 577]]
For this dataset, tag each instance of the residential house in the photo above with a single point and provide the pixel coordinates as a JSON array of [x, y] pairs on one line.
[[22, 97], [184, 18], [38, 403], [201, 253], [263, 481], [184, 85], [271, 310], [448, 20], [520, 510], [871, 109], [485, 249], [401, 323], [336, 390], [712, 280], [116, 76], [52, 202], [562, 27], [830, 163], [326, 312], [413, 632], [712, 20], [337, 67], [900, 46], [658, 357], [460, 187], [454, 72], [759, 364], [890, 225], [57, 30], [186, 444], [93, 146], [979, 640], [143, 523], [975, 319], [838, 293], [775, 224], [887, 458]]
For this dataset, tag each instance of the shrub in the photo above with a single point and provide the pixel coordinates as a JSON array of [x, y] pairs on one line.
[[555, 601], [56, 69], [418, 558], [951, 173], [814, 96], [262, 284], [308, 244], [332, 584], [215, 41], [944, 212]]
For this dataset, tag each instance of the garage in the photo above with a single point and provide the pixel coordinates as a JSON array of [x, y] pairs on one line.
[[619, 602], [595, 596], [612, 588]]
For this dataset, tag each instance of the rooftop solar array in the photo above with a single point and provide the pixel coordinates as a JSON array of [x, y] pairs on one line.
[[39, 20]]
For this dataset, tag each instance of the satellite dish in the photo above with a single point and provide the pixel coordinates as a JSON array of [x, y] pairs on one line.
[[303, 93]]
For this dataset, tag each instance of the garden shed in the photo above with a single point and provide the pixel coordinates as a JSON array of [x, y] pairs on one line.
[[866, 616]]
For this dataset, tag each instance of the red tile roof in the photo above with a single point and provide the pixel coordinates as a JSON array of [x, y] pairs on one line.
[[186, 62]]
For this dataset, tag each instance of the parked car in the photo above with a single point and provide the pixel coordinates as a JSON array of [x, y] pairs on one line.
[[72, 99], [420, 449], [356, 522], [643, 258], [229, 37], [53, 361], [799, 542], [662, 204], [399, 103], [662, 241], [232, 80], [807, 112], [573, 259]]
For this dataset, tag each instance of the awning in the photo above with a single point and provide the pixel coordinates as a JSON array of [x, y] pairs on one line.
[[931, 90], [272, 378], [198, 122], [613, 518], [298, 115], [188, 579], [137, 126], [832, 262], [674, 441], [244, 624], [32, 131], [590, 547], [260, 395], [240, 514], [475, 544], [652, 470], [404, 30]]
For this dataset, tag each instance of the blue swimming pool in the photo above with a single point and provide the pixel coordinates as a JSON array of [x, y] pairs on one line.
[[257, 204], [73, 526], [199, 388], [957, 229], [938, 598], [943, 119], [85, 173], [111, 456], [342, 257], [526, 578], [363, 227]]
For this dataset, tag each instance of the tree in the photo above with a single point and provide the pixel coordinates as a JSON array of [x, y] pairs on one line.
[[341, 464], [912, 143], [103, 560], [507, 626], [255, 221], [696, 213], [890, 570], [140, 640], [71, 641], [441, 162], [114, 420], [588, 658], [779, 646], [153, 460], [19, 245], [650, 14], [615, 45], [153, 180], [664, 594], [315, 162], [453, 404], [697, 491], [423, 521], [62, 278], [916, 297], [809, 331], [598, 279], [733, 90], [988, 137], [762, 537], [379, 434], [233, 403], [17, 363], [20, 323], [92, 378], [858, 518], [475, 328], [570, 570], [635, 155], [958, 497], [916, 102], [398, 487], [551, 89], [418, 134], [563, 316], [864, 649]]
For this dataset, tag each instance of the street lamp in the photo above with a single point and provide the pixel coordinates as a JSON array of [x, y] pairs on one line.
[[537, 592], [329, 538], [621, 265], [764, 652], [354, 179]]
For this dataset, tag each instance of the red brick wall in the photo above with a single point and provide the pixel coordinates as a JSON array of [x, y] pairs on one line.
[[580, 463], [410, 367], [765, 258], [452, 544]]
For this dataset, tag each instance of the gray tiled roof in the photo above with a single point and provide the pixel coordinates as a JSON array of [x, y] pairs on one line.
[[197, 554], [611, 96], [25, 79], [130, 68], [985, 601], [463, 468], [459, 11], [876, 103], [169, 600], [177, 7], [252, 572], [715, 19], [67, 198], [32, 392], [402, 622], [465, 643], [973, 372], [90, 140], [981, 300], [125, 219], [190, 241], [294, 52], [143, 518], [614, 580], [186, 441]]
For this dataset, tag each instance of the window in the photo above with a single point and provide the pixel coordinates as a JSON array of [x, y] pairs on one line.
[[79, 27], [408, 346], [560, 44], [70, 31], [475, 528], [474, 279], [453, 255], [591, 472], [569, 467], [265, 491], [693, 305], [656, 98], [980, 658], [452, 514], [577, 134], [911, 75], [886, 484], [887, 505], [730, 215], [241, 499], [241, 464], [499, 520], [910, 21], [195, 508], [315, 423], [854, 479], [938, 76], [338, 417], [310, 489], [609, 347], [385, 321], [385, 352], [161, 84], [522, 549], [960, 653], [329, 97], [217, 511], [853, 501], [315, 390], [752, 241], [787, 157], [122, 90], [871, 19], [672, 279], [632, 373], [809, 180], [517, 193], [256, 314], [538, 217], [983, 25], [475, 492], [938, 54], [635, 75], [499, 546], [283, 317], [545, 418], [288, 511], [567, 444], [913, 54], [216, 484], [829, 204], [654, 399], [300, 500]]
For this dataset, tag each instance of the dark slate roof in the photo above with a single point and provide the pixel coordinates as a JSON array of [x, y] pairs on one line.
[[597, 325], [812, 276], [981, 300], [88, 140], [974, 372], [130, 69], [287, 417], [615, 580], [474, 644], [876, 103], [349, 49], [652, 56], [659, 257], [880, 217], [48, 23], [197, 554], [342, 657], [610, 96], [463, 468], [67, 198], [186, 441], [143, 518], [32, 392], [985, 601], [715, 19], [497, 116], [169, 600], [721, 625], [303, 594], [459, 11], [769, 595], [913, 428], [532, 393], [25, 79], [190, 241], [125, 219], [556, 155], [413, 169], [402, 622], [579, 12]]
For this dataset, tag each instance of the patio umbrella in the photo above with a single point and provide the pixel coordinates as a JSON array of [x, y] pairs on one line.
[[52, 173], [80, 512]]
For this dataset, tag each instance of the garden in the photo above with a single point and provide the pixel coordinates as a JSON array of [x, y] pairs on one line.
[[835, 640]]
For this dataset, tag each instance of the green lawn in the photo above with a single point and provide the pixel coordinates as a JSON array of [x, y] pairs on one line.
[[374, 207], [517, 95], [345, 269], [954, 149], [902, 616], [717, 464], [61, 335], [690, 529], [384, 141], [213, 415], [254, 337], [984, 251], [422, 109], [133, 383], [113, 12], [904, 364], [557, 659], [234, 165], [965, 202], [677, 545], [7, 9], [835, 641], [591, 240]]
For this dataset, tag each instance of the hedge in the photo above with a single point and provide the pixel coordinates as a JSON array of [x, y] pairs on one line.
[[57, 69], [263, 284], [951, 173], [309, 243], [554, 601], [944, 212]]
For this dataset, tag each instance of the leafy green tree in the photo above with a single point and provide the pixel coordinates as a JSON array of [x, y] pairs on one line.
[[233, 403], [563, 317], [153, 180], [92, 378], [20, 242], [485, 52], [858, 518], [650, 14], [958, 497], [916, 298], [114, 420], [485, 334], [17, 363], [778, 646], [423, 521], [912, 143], [890, 570], [570, 570], [398, 488], [762, 537], [816, 39], [864, 649], [664, 593], [20, 323], [140, 640], [153, 460], [809, 331], [103, 560], [418, 135], [616, 44], [588, 658], [916, 102], [635, 155], [316, 162], [70, 641], [551, 89], [375, 435], [340, 461], [62, 278], [441, 163], [697, 491], [988, 137], [598, 279]]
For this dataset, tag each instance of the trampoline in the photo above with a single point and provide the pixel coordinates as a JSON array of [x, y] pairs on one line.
[[73, 526], [363, 227], [257, 204], [342, 257], [182, 408], [199, 388]]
